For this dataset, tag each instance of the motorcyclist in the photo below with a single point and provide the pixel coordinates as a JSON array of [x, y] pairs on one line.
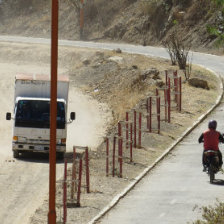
[[211, 139]]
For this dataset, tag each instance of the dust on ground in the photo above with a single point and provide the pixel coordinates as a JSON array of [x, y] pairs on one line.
[[120, 81]]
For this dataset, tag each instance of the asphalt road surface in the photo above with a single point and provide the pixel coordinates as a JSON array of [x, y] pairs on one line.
[[177, 187]]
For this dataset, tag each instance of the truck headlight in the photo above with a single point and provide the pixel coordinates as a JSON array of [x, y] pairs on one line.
[[15, 138]]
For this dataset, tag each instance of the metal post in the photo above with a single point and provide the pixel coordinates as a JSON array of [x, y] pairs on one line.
[[53, 113], [119, 140], [175, 86], [158, 113], [114, 149], [127, 131], [135, 128], [131, 130], [139, 130], [169, 101], [180, 94], [147, 109], [165, 102], [107, 157], [150, 114], [65, 193], [80, 181], [121, 156], [166, 75], [87, 170], [81, 18], [74, 185]]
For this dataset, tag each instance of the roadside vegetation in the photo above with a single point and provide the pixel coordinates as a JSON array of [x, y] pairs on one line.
[[212, 214]]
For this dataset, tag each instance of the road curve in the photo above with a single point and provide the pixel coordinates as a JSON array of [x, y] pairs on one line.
[[177, 185]]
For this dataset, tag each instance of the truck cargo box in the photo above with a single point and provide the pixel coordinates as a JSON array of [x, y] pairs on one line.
[[28, 85]]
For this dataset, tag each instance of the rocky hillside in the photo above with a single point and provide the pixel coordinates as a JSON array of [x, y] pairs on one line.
[[146, 22]]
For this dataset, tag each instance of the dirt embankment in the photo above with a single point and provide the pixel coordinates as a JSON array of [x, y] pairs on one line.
[[142, 22]]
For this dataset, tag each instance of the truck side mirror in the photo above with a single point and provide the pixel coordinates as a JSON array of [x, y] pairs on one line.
[[8, 116], [72, 116]]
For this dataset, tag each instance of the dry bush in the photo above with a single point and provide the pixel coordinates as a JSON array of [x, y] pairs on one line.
[[212, 215]]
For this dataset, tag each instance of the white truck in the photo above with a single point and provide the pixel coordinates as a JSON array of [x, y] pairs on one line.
[[31, 129]]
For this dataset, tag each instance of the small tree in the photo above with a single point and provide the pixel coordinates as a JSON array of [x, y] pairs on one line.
[[178, 51]]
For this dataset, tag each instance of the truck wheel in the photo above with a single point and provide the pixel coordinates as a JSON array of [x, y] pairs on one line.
[[15, 154]]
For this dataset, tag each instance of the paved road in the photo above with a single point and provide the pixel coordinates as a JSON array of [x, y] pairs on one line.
[[175, 187]]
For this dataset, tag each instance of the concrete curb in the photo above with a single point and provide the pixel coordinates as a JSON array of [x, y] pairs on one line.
[[117, 198]]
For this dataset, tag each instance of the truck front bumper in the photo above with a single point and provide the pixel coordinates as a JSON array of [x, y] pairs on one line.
[[28, 147]]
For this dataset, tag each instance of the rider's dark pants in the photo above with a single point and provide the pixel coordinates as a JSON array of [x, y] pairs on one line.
[[219, 155]]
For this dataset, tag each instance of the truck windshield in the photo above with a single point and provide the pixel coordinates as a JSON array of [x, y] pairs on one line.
[[36, 114]]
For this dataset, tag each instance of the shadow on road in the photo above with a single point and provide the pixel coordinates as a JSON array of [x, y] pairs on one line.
[[37, 157], [218, 182]]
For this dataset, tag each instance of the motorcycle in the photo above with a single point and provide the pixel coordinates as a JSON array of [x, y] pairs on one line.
[[212, 163]]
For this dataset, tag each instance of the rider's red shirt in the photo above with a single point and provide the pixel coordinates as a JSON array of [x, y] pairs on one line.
[[211, 139]]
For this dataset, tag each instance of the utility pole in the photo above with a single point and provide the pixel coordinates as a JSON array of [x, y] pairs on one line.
[[81, 18], [53, 112]]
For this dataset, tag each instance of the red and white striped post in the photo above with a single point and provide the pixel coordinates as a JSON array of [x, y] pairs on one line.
[[65, 193]]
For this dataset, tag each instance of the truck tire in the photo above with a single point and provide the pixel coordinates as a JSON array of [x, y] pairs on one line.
[[15, 154]]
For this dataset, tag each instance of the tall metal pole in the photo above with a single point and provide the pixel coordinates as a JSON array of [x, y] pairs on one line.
[[53, 112], [81, 18]]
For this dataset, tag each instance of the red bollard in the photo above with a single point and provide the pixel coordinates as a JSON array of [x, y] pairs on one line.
[[139, 130], [131, 143], [158, 113], [175, 85], [180, 94], [65, 193], [107, 157], [74, 185], [166, 75], [87, 170], [150, 114], [119, 139], [165, 102], [114, 149], [121, 155], [135, 128], [127, 131], [169, 101], [80, 181]]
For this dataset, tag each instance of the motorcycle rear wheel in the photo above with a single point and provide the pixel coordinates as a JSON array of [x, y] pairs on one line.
[[211, 174]]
